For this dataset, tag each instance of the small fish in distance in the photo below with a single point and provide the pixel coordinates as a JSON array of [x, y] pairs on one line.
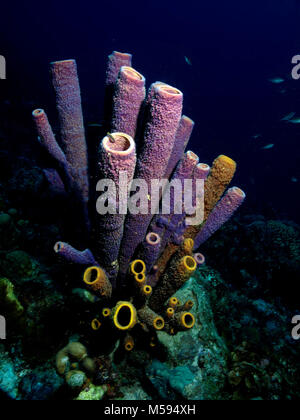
[[94, 125], [294, 120], [276, 80], [188, 61], [268, 146], [288, 117]]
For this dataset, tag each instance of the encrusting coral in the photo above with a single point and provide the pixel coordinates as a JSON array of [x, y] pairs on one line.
[[141, 260], [73, 362], [8, 300]]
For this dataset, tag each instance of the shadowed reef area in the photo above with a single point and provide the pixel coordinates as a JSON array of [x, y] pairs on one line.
[[135, 306]]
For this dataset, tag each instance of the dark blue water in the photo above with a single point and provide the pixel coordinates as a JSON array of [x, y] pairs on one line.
[[223, 56], [234, 47]]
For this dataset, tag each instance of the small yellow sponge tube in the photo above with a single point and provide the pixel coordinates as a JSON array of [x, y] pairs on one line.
[[173, 302], [179, 272], [95, 278], [151, 319], [185, 268], [128, 342], [124, 315], [185, 320], [137, 267]]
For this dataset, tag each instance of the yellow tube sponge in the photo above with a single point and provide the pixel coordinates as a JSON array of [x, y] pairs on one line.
[[124, 315], [185, 268], [187, 246], [128, 342], [162, 262], [177, 274], [146, 290], [96, 279], [185, 320], [188, 305], [170, 312], [106, 312], [173, 302], [140, 279], [137, 267], [220, 176], [151, 319], [95, 324]]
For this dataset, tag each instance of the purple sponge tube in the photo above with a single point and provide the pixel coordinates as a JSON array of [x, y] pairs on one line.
[[48, 141], [165, 107], [199, 258], [149, 251], [117, 156], [68, 101], [46, 136], [127, 101], [72, 255], [115, 61], [185, 170], [183, 135], [55, 182], [201, 171], [220, 214]]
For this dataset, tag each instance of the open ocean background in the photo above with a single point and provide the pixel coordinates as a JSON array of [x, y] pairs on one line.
[[233, 49]]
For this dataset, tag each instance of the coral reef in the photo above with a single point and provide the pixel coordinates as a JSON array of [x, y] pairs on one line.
[[9, 302], [129, 305], [197, 358], [262, 254], [140, 261]]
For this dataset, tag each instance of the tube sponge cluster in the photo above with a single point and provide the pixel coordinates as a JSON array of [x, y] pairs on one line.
[[139, 260]]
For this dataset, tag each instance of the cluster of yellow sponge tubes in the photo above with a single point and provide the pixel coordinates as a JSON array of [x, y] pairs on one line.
[[152, 310]]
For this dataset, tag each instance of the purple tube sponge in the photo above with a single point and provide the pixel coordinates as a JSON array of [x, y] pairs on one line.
[[185, 170], [117, 159], [149, 251], [115, 61], [47, 139], [54, 180], [68, 101], [72, 255], [127, 101], [223, 211], [183, 135], [165, 107], [199, 258], [201, 171], [46, 136]]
